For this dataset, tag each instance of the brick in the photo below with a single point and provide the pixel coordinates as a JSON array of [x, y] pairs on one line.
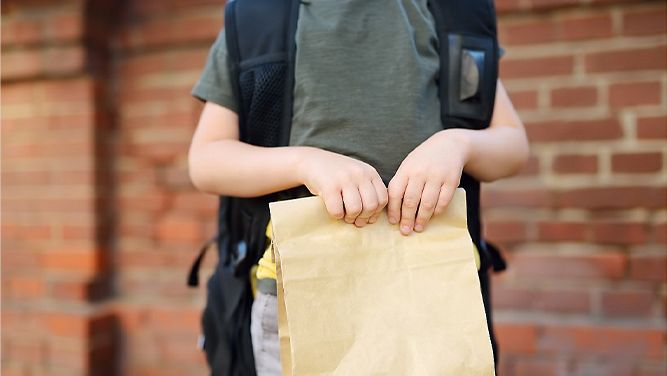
[[574, 96], [196, 203], [575, 164], [531, 168], [66, 325], [506, 231], [524, 100], [536, 67], [604, 264], [652, 127], [80, 262], [29, 350], [21, 64], [512, 298], [161, 31], [148, 201], [179, 229], [620, 233], [25, 287], [648, 267], [627, 303], [654, 58], [633, 343], [504, 6], [645, 22], [72, 355], [536, 299], [635, 94], [20, 31], [520, 198], [660, 233], [574, 130], [551, 4], [65, 27], [178, 319], [531, 32], [531, 367], [562, 231], [563, 301], [19, 259], [587, 27], [81, 290], [24, 64], [516, 338], [652, 370], [637, 162], [613, 198]]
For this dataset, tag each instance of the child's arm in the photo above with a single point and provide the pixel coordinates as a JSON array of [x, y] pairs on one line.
[[221, 164], [425, 182]]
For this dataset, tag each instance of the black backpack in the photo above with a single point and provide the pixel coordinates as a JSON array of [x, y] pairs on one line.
[[261, 47]]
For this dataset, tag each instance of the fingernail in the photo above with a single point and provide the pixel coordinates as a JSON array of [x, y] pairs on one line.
[[405, 229], [419, 227], [392, 220]]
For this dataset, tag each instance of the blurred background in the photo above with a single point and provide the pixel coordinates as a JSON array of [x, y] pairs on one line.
[[100, 222]]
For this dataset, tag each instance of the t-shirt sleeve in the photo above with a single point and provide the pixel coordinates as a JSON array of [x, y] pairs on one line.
[[214, 84]]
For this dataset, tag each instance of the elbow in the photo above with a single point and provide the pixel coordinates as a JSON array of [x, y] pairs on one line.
[[523, 151], [521, 156], [512, 164], [198, 176]]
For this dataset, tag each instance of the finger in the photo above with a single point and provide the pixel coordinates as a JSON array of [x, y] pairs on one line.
[[446, 194], [352, 203], [411, 198], [369, 203], [334, 203], [395, 192], [383, 197], [427, 205]]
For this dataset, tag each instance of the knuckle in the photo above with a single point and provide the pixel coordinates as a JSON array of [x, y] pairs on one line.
[[419, 173], [354, 210], [394, 194], [336, 213], [371, 207], [358, 171], [427, 205], [393, 185], [410, 202], [422, 217]]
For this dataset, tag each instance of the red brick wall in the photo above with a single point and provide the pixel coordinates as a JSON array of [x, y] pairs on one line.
[[585, 224], [100, 222]]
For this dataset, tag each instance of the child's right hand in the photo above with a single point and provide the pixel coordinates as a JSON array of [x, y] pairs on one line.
[[351, 189]]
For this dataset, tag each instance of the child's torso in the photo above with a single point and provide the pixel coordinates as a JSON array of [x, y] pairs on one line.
[[366, 79]]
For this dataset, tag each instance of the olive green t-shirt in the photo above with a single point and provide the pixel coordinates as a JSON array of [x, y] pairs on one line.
[[365, 79]]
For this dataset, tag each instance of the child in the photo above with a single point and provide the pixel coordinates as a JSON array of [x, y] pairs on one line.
[[366, 131]]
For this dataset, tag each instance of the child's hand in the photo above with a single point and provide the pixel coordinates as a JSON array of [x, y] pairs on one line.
[[351, 189], [425, 182]]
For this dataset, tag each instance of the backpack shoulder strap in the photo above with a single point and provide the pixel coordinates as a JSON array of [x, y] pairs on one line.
[[469, 54], [261, 49]]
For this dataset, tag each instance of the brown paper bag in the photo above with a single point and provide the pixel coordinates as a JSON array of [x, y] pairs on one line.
[[369, 301]]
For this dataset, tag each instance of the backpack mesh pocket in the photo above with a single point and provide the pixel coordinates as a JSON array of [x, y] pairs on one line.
[[262, 92]]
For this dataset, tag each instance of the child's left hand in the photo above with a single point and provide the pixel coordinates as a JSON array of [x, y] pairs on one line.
[[426, 180]]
